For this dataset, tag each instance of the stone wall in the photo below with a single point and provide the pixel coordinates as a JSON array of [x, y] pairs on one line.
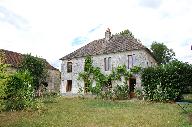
[[53, 80], [142, 58]]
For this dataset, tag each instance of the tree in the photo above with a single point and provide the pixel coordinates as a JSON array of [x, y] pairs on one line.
[[162, 53], [126, 33], [37, 69]]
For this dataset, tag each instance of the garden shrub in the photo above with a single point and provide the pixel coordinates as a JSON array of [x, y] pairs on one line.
[[20, 93], [3, 79], [106, 95], [167, 82], [121, 92], [139, 93]]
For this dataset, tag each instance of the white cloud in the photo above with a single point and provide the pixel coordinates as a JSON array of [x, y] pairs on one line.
[[52, 25]]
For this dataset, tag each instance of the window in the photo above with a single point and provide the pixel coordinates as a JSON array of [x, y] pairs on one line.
[[69, 85], [134, 60], [130, 61], [69, 67], [107, 63]]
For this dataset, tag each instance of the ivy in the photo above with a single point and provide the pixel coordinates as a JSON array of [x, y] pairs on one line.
[[91, 74], [37, 69]]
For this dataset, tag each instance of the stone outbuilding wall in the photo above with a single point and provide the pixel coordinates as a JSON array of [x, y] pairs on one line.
[[53, 79]]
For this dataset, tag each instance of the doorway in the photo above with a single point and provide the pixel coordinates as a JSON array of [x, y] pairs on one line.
[[132, 83], [86, 88], [69, 86]]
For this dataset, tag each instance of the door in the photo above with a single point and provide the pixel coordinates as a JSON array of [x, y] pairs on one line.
[[69, 86], [132, 83]]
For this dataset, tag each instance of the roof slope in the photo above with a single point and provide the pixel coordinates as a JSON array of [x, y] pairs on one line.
[[116, 43], [14, 59]]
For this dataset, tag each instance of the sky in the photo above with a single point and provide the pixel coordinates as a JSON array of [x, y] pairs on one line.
[[52, 29]]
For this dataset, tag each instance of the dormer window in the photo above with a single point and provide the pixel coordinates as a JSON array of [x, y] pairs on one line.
[[69, 67]]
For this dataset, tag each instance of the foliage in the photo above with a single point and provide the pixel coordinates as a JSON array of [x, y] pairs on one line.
[[104, 82], [20, 93], [126, 33], [90, 74], [17, 89], [161, 52], [121, 92], [139, 93], [3, 78], [36, 67], [167, 82]]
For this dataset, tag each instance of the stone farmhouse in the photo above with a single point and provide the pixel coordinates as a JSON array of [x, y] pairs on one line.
[[14, 59], [107, 53]]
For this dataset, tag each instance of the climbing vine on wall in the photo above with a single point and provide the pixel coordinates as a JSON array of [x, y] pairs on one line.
[[91, 74]]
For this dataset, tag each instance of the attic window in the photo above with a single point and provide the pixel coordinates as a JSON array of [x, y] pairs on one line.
[[69, 67]]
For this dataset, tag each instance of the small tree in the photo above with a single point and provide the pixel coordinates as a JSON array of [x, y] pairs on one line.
[[162, 53], [37, 69], [126, 33]]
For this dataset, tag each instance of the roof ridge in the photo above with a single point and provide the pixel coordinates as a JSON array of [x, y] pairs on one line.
[[116, 43]]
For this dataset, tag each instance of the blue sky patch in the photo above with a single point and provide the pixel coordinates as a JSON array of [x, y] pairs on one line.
[[78, 40], [150, 3], [95, 28]]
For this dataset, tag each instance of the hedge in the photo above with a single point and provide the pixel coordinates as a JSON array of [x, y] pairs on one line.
[[167, 82]]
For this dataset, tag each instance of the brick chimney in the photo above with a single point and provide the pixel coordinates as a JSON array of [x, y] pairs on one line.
[[107, 34]]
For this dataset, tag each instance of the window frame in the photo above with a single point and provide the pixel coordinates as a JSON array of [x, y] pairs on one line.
[[107, 64], [130, 62], [69, 67]]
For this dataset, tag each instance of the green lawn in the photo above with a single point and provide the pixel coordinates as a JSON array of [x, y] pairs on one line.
[[75, 112]]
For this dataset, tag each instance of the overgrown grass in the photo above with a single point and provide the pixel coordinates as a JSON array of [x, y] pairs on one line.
[[75, 112]]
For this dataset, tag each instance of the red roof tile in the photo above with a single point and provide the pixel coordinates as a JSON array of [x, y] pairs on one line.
[[14, 59]]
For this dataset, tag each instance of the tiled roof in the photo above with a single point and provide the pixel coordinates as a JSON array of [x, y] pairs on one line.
[[14, 59], [116, 43]]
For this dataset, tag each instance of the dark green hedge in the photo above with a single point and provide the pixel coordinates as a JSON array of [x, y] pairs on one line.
[[167, 82]]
